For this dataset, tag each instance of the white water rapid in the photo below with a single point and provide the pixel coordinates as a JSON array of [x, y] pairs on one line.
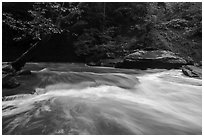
[[99, 101]]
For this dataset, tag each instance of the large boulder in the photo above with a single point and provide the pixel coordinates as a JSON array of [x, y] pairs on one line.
[[152, 59], [8, 81], [192, 71], [8, 76]]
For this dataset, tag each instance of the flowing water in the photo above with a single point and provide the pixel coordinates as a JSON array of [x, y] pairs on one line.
[[77, 99]]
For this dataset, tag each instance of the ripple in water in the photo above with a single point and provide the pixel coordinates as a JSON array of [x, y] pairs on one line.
[[162, 103]]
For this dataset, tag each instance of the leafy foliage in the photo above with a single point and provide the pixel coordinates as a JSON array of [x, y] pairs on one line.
[[116, 29], [47, 18], [178, 29]]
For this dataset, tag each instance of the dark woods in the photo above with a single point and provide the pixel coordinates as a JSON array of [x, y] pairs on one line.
[[150, 82], [92, 32]]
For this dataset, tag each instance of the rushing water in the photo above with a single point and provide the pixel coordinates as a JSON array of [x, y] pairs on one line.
[[77, 99]]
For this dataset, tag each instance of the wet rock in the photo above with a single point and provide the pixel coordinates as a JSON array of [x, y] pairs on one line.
[[8, 76], [152, 59], [8, 81], [200, 63], [105, 62], [110, 62], [93, 63], [24, 72], [192, 71], [7, 68]]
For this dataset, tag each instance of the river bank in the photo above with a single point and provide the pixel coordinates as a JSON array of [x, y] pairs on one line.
[[151, 60]]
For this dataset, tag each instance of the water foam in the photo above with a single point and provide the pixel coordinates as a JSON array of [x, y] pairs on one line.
[[159, 104]]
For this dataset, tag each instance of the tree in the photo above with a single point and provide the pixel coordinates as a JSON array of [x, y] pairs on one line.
[[47, 19]]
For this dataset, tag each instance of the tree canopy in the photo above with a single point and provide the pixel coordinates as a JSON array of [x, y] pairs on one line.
[[110, 27]]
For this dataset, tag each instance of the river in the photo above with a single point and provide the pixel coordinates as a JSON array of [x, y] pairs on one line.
[[78, 99]]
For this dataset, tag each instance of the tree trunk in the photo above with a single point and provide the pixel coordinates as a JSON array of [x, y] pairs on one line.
[[26, 56], [104, 15]]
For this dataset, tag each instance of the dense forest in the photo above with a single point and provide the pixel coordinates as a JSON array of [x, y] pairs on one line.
[[102, 68], [93, 32]]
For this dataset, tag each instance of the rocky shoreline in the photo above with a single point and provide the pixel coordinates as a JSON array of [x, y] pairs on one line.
[[192, 71], [154, 59], [157, 59], [9, 76]]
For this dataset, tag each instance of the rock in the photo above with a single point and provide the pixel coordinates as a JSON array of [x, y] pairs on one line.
[[200, 63], [24, 72], [7, 69], [105, 62], [192, 71], [8, 81], [93, 63], [161, 59], [110, 62]]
